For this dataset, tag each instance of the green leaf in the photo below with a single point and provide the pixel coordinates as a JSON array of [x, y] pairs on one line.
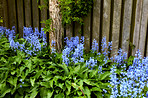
[[13, 81], [38, 74], [68, 85], [96, 89], [87, 91], [64, 66], [33, 94], [98, 94], [32, 80], [61, 95], [104, 75], [5, 92], [28, 64]]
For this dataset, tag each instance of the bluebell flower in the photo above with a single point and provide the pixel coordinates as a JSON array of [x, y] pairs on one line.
[[95, 46], [91, 63]]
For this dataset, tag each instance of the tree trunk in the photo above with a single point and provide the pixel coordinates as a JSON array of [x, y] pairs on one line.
[[57, 29]]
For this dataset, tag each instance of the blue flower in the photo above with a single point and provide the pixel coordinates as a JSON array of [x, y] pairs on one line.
[[91, 63], [95, 46]]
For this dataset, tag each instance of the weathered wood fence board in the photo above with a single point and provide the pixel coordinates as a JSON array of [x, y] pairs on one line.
[[137, 26], [87, 32], [96, 20], [106, 19], [143, 28], [28, 19], [69, 30], [116, 26], [43, 13], [5, 13], [35, 12], [20, 17], [1, 13], [12, 13], [124, 22]]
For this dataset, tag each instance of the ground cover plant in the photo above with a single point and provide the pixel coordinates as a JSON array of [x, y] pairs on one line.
[[28, 68]]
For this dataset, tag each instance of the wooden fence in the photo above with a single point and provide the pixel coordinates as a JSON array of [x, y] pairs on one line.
[[124, 22]]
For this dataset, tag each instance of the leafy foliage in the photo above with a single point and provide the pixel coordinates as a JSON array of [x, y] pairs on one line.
[[74, 10], [73, 73]]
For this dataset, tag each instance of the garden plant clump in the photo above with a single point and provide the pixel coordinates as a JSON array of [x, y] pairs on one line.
[[29, 68]]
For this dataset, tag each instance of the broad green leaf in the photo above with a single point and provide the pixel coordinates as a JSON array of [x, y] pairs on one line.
[[68, 85], [13, 81], [28, 64], [87, 91], [61, 95], [104, 75], [32, 80], [38, 74], [98, 94], [5, 92], [64, 66], [96, 89], [34, 94]]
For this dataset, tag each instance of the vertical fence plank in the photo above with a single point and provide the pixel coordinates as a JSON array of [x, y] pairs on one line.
[[5, 13], [143, 27], [86, 29], [96, 20], [126, 24], [28, 13], [35, 12], [20, 13], [1, 13], [43, 13], [12, 13], [106, 19], [77, 30], [137, 26], [147, 48], [69, 30], [116, 26]]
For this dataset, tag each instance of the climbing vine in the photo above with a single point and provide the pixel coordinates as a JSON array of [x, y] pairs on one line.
[[74, 10]]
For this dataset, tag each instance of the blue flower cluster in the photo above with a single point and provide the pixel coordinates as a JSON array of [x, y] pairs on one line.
[[131, 82], [73, 50], [33, 40]]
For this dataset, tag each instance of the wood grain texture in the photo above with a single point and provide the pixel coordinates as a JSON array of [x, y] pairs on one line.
[[136, 33], [147, 49], [12, 14], [96, 20], [86, 29], [126, 25], [35, 12], [1, 12], [5, 13], [143, 27], [116, 26], [106, 19], [77, 30], [28, 19], [43, 13], [69, 30], [20, 13]]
